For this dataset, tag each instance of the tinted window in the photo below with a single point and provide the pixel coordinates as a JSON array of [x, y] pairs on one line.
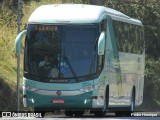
[[129, 37], [61, 52]]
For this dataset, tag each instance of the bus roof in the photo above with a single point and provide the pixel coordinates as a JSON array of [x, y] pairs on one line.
[[76, 13]]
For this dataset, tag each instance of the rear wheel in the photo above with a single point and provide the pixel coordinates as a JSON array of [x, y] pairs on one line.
[[132, 106], [100, 113], [74, 113], [130, 109]]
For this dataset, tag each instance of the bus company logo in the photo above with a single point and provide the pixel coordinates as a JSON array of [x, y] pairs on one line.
[[6, 114], [58, 81], [58, 93]]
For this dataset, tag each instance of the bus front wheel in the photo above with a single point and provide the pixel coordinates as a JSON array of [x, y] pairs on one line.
[[39, 110], [74, 113], [102, 113], [69, 113]]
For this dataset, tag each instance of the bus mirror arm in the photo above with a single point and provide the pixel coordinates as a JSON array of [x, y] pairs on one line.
[[18, 52], [18, 42], [101, 43]]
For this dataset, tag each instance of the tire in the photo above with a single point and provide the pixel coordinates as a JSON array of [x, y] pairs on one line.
[[120, 114], [78, 113], [69, 113], [132, 106], [107, 96], [130, 109], [39, 110], [102, 113]]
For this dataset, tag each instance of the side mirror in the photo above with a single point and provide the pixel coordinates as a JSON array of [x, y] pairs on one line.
[[101, 43], [18, 53], [18, 42]]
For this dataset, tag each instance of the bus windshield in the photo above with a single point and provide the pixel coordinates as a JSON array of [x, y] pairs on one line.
[[61, 53]]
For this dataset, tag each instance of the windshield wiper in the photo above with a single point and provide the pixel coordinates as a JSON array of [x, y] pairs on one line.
[[71, 68]]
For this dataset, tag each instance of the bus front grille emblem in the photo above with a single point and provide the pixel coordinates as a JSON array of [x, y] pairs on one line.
[[58, 93]]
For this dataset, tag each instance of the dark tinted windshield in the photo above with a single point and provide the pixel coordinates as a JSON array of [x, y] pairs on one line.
[[59, 52]]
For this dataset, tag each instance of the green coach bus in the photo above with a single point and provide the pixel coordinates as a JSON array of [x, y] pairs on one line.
[[82, 57]]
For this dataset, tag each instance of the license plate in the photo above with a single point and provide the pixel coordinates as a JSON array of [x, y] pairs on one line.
[[58, 101]]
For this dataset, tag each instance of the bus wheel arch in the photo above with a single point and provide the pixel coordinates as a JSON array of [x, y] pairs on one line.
[[102, 112], [69, 113], [40, 110]]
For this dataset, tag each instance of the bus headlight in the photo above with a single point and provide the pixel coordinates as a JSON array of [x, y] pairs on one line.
[[30, 88], [89, 88], [31, 100]]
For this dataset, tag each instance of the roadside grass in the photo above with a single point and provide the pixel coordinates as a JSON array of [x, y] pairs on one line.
[[8, 62], [7, 69]]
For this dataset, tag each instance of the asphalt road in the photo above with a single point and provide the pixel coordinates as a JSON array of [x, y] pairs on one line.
[[109, 116]]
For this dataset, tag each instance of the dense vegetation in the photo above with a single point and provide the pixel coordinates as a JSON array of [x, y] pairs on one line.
[[148, 11]]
